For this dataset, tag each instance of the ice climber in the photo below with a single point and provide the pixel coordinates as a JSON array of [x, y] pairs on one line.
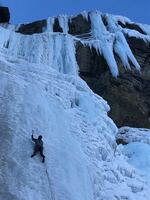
[[38, 147]]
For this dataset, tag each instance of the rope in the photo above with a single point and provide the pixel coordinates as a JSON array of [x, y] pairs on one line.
[[50, 185]]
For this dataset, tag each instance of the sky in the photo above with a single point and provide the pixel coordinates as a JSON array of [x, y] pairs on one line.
[[31, 10]]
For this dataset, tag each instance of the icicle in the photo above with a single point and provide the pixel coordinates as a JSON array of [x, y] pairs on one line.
[[55, 50], [136, 34], [71, 66], [112, 23], [120, 51], [50, 23], [98, 28], [85, 15], [64, 55], [63, 22], [124, 52], [104, 41], [4, 36], [17, 27], [122, 19]]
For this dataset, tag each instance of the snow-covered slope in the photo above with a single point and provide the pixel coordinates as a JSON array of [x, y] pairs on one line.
[[129, 135], [41, 91], [138, 155], [137, 147]]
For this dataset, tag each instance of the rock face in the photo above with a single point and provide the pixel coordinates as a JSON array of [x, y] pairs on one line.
[[77, 26], [35, 27], [128, 95], [4, 14]]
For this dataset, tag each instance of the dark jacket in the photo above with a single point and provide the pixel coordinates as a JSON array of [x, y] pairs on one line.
[[38, 143]]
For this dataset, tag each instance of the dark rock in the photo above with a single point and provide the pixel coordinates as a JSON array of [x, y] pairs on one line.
[[34, 27], [121, 141], [141, 50], [89, 61], [79, 25], [129, 94], [56, 27], [4, 14]]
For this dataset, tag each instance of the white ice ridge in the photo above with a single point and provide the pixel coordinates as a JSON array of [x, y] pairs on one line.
[[82, 162], [55, 50]]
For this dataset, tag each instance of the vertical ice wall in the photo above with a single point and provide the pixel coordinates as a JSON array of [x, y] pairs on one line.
[[79, 138], [55, 50]]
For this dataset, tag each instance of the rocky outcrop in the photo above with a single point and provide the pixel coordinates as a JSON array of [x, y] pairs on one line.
[[128, 95], [4, 14], [77, 25], [31, 28]]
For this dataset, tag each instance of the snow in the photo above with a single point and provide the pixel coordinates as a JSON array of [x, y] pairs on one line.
[[79, 138], [136, 34], [145, 28], [129, 135], [35, 108], [137, 148], [112, 23], [41, 91], [138, 155], [120, 18], [8, 26]]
